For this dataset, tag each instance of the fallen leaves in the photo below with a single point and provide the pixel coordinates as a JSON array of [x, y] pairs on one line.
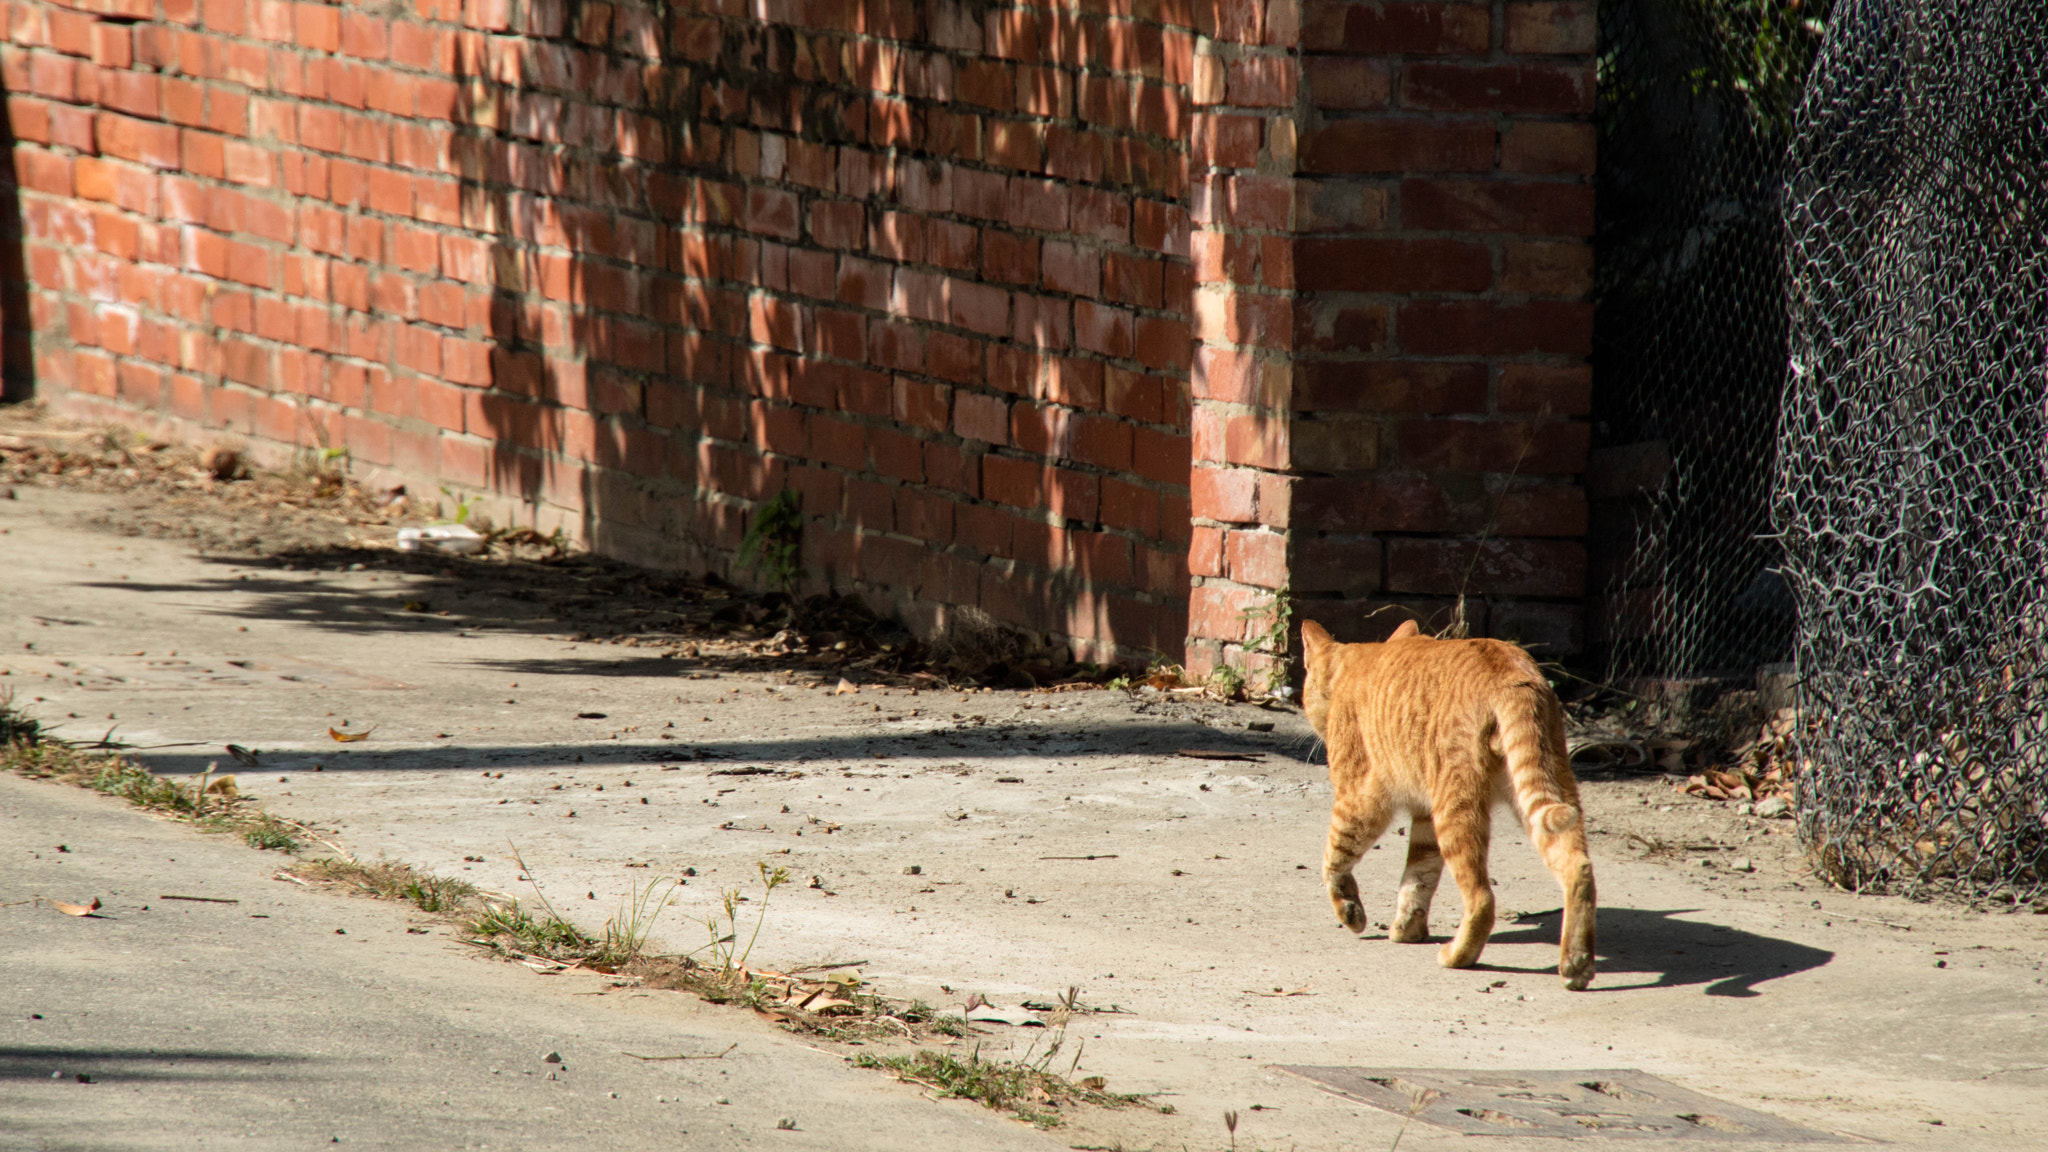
[[1714, 784], [350, 737], [76, 909]]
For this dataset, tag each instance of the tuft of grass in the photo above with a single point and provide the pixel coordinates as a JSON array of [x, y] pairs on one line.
[[1025, 1089], [508, 927], [391, 880], [271, 834], [210, 802], [17, 727]]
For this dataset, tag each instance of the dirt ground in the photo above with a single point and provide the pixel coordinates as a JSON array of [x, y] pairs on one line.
[[1010, 844]]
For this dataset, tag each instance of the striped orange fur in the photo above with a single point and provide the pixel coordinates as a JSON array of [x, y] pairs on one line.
[[1446, 731]]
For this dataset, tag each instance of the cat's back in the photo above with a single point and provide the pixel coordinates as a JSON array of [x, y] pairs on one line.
[[1442, 670]]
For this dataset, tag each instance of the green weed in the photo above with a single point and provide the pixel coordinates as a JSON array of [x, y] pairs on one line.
[[1024, 1088], [774, 542], [269, 833], [1266, 633]]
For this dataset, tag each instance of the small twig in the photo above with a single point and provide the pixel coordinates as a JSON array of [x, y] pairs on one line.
[[704, 1056], [200, 899], [1105, 856], [292, 878], [1861, 920]]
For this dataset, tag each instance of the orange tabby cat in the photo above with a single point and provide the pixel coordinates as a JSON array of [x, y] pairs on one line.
[[1446, 730]]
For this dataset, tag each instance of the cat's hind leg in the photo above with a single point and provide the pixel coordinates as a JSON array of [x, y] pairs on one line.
[[1418, 883], [1356, 823], [1559, 832], [1464, 831]]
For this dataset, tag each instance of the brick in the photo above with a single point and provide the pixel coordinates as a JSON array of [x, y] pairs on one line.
[[1219, 612], [1378, 146], [1329, 445], [1561, 269], [1373, 265], [1549, 148], [1513, 567], [979, 416], [1224, 494], [1555, 390], [1554, 447], [1553, 28], [1348, 84], [1349, 567], [1422, 29], [1542, 89], [1205, 552], [1391, 386], [1497, 206], [1007, 480], [143, 141], [1449, 327]]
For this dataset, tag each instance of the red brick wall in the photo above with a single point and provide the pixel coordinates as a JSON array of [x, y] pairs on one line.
[[1395, 318], [940, 267], [923, 262]]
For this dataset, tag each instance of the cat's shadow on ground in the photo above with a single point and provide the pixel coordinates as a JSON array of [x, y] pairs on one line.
[[1639, 942]]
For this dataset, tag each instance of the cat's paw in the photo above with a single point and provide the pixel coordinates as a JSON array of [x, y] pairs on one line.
[[1410, 930], [1576, 971], [1352, 915], [1449, 956]]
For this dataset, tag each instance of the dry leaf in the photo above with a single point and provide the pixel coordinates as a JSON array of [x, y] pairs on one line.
[[1095, 1083], [76, 909], [349, 737], [243, 756], [845, 686], [225, 786]]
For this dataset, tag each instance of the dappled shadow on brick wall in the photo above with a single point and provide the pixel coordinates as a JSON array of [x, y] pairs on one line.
[[678, 329], [605, 331], [17, 360]]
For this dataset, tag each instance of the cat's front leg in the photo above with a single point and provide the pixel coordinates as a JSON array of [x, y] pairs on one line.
[[1418, 883], [1463, 836], [1355, 825]]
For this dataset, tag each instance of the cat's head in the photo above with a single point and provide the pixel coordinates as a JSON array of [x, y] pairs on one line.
[[1319, 655]]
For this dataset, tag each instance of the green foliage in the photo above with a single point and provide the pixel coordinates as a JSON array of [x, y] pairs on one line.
[[462, 507], [626, 933], [271, 834], [17, 727], [1024, 1088], [1227, 679], [726, 955], [1266, 632], [774, 542], [507, 925]]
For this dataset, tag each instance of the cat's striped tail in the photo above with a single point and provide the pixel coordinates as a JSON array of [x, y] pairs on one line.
[[1531, 729]]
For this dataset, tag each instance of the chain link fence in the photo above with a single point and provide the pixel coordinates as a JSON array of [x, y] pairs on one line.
[[1698, 99], [1913, 449], [1821, 418]]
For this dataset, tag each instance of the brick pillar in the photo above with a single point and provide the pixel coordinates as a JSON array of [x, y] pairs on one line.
[[1394, 207], [1243, 161]]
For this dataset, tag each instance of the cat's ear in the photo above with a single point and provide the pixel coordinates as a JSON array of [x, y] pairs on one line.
[[1313, 638], [1406, 630]]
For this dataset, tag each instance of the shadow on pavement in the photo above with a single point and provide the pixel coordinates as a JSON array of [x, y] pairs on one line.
[[1638, 941], [131, 1064], [881, 751]]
